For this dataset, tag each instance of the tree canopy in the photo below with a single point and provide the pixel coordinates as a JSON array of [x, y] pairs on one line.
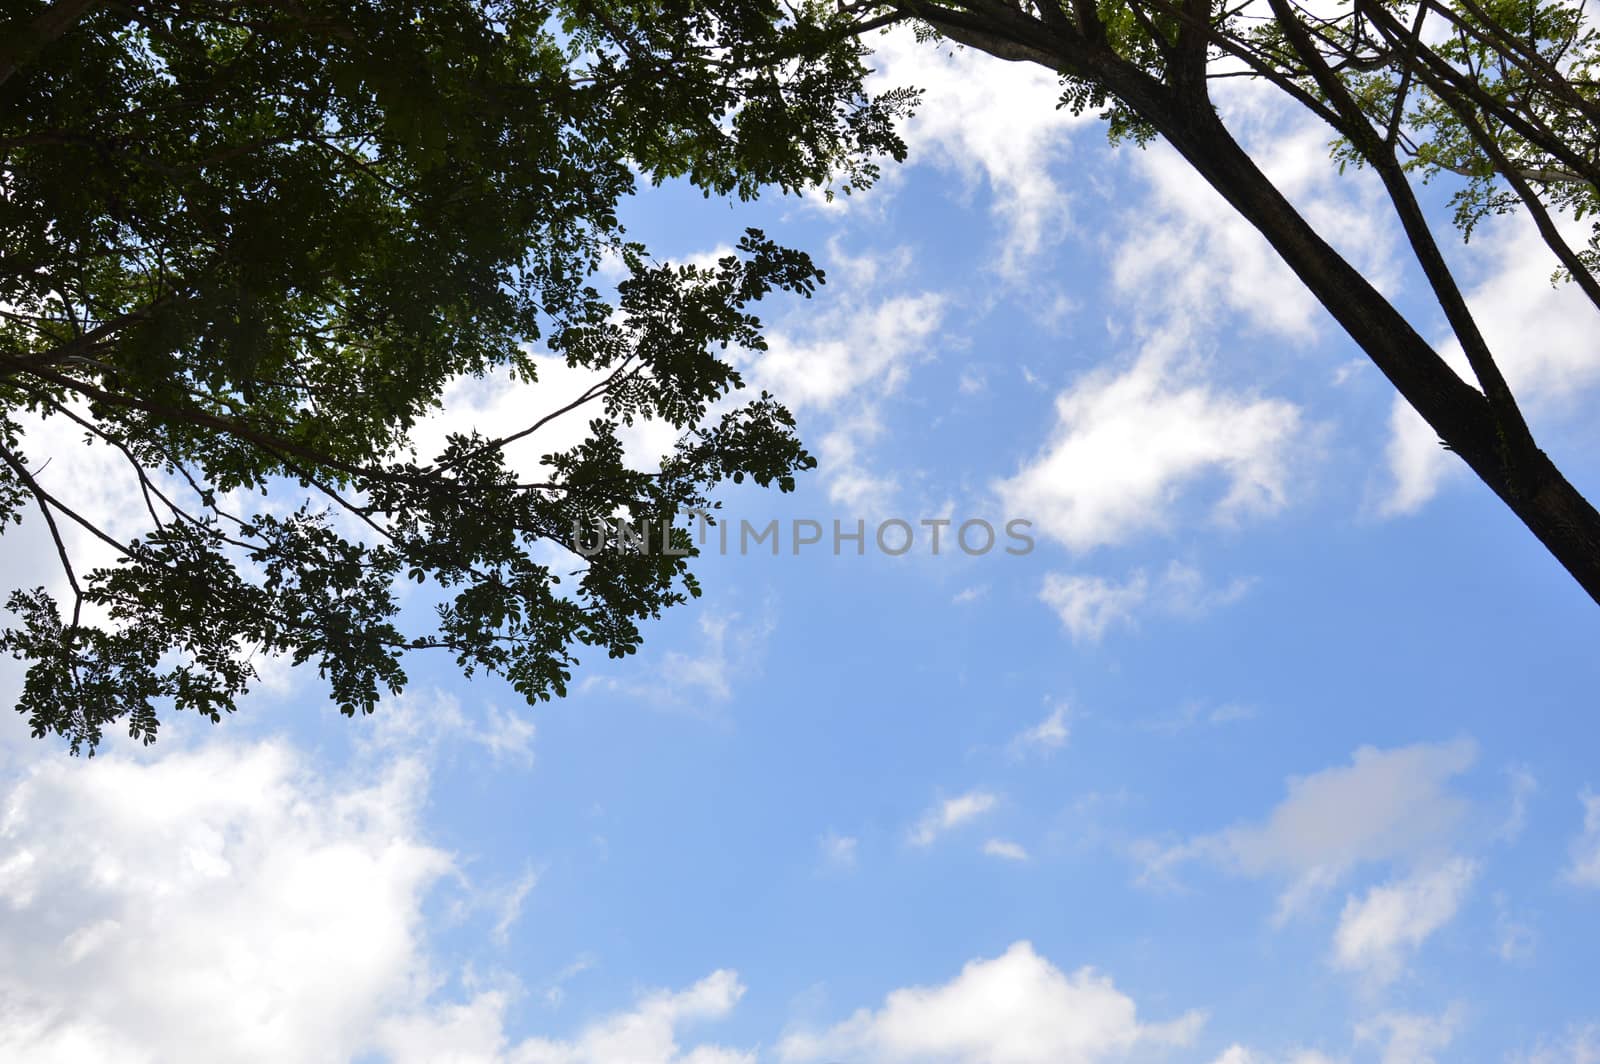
[[246, 247]]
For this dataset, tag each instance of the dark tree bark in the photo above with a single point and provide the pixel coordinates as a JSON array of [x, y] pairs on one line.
[[45, 29]]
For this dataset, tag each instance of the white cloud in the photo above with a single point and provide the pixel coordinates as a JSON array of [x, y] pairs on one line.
[[648, 1033], [555, 989], [1051, 733], [969, 594], [705, 672], [1194, 715], [1585, 867], [1184, 591], [1154, 264], [951, 813], [1377, 933], [508, 905], [1005, 849], [1515, 940], [507, 736], [1523, 785], [991, 120], [838, 370], [838, 851], [1089, 606], [1408, 1038], [497, 406], [855, 346], [225, 903], [1129, 446], [1385, 805], [460, 1033], [1238, 1054], [1580, 1045], [1418, 463], [730, 646], [1243, 279], [876, 266], [420, 724], [1017, 1008], [234, 903]]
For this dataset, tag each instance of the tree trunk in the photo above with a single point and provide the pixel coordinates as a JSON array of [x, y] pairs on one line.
[[1530, 484], [1516, 470]]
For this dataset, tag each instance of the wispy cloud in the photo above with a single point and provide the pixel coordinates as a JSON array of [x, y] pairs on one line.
[[1192, 716], [1411, 1038], [730, 646], [838, 851], [950, 814], [1090, 606], [1384, 805], [994, 123], [1378, 931], [1005, 849], [1584, 870], [508, 905], [969, 594], [1048, 735]]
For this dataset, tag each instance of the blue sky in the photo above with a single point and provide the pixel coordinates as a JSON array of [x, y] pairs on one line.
[[1278, 747]]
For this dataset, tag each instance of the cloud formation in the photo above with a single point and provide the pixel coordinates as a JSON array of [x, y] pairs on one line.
[[1585, 867], [1089, 606], [1411, 1038], [1129, 446], [950, 814], [1395, 804], [842, 364], [1379, 931], [233, 902], [1049, 735], [225, 903], [993, 122], [1016, 1008]]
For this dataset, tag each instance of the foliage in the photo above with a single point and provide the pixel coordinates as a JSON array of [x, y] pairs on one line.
[[247, 245]]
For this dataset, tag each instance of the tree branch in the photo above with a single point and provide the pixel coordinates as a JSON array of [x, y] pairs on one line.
[[1514, 436], [45, 30], [42, 498]]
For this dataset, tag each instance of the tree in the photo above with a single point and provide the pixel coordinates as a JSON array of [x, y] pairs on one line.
[[1501, 94], [246, 245]]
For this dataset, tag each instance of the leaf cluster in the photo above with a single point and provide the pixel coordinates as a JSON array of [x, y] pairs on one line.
[[246, 246]]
